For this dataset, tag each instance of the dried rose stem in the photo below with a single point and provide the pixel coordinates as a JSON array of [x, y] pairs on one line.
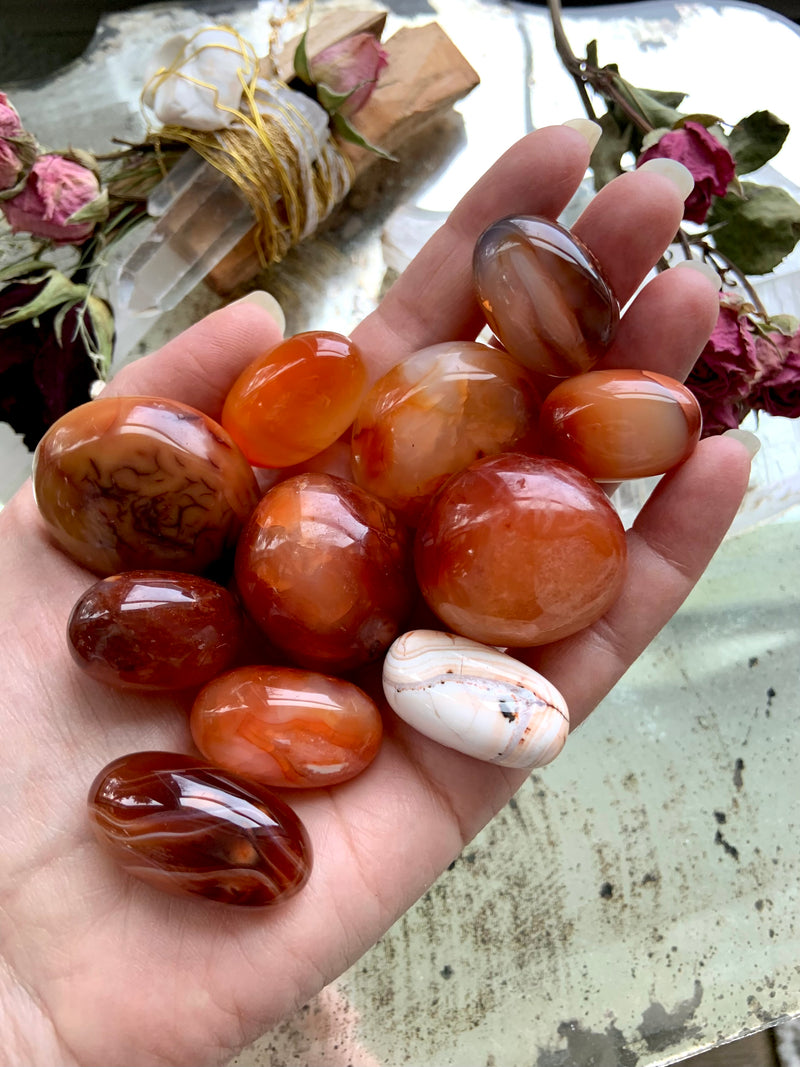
[[602, 80], [714, 254], [582, 71]]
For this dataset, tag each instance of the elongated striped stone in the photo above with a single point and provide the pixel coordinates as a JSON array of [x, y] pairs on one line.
[[191, 829]]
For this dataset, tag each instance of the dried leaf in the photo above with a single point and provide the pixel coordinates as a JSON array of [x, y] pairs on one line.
[[754, 140], [759, 231]]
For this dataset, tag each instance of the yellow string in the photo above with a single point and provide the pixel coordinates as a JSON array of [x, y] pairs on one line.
[[265, 156]]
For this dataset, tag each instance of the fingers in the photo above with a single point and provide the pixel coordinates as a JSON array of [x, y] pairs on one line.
[[667, 324], [434, 299], [669, 547], [629, 225], [200, 365]]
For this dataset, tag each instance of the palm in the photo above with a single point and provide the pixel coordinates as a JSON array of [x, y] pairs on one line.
[[99, 968]]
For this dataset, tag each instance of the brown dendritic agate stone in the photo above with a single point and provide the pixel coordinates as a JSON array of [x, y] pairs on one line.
[[129, 483], [286, 727], [544, 295], [433, 414], [154, 630], [192, 829], [324, 568], [520, 550], [618, 424]]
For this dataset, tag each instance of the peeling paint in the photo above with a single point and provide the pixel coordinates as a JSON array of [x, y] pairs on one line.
[[588, 1049], [662, 1029]]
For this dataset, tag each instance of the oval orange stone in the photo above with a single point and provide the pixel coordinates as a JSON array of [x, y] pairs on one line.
[[286, 727], [520, 550], [296, 399], [433, 414], [618, 424], [324, 569]]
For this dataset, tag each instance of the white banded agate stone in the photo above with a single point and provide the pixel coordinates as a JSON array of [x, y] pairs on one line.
[[474, 699]]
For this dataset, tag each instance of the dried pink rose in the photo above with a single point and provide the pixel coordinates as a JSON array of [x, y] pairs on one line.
[[723, 376], [57, 189], [711, 164], [9, 118], [17, 150], [352, 66], [11, 167], [778, 391]]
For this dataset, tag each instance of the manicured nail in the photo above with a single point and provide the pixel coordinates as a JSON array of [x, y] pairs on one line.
[[702, 268], [267, 301], [749, 440], [589, 131], [680, 176]]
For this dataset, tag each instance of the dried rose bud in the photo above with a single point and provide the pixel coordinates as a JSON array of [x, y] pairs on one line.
[[711, 164], [17, 150], [61, 201], [350, 68]]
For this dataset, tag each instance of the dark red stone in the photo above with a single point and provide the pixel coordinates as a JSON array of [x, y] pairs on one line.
[[155, 630], [191, 829]]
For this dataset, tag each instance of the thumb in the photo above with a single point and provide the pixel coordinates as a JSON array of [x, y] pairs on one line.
[[199, 366]]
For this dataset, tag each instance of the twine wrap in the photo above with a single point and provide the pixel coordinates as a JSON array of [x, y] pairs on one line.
[[275, 146]]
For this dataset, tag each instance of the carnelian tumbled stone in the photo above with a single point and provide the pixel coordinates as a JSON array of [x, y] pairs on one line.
[[154, 630], [296, 399], [520, 550], [192, 829], [131, 482], [544, 295], [433, 414], [324, 568], [618, 424], [286, 727]]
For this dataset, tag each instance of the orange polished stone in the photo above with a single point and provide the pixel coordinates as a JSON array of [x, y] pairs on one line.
[[286, 727], [520, 550], [618, 424], [544, 295], [323, 567], [128, 483], [433, 414], [296, 399], [154, 630]]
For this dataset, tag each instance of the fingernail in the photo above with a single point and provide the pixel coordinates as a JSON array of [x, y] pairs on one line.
[[267, 301], [749, 440], [702, 268], [680, 176], [589, 131]]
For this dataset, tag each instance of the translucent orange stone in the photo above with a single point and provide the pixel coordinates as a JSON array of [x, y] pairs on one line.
[[433, 414], [618, 424], [324, 569], [520, 550], [286, 727], [194, 830], [544, 295], [129, 483], [296, 399], [154, 630]]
